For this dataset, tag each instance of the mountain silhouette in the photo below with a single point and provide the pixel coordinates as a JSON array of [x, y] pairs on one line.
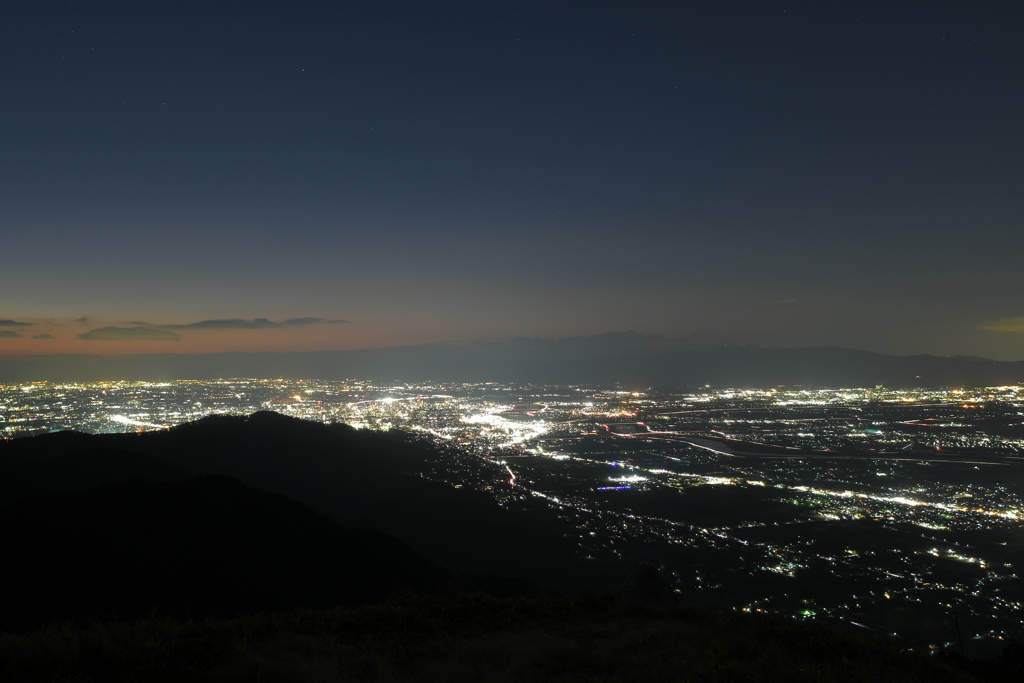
[[75, 465], [360, 479], [206, 546], [112, 528], [644, 360]]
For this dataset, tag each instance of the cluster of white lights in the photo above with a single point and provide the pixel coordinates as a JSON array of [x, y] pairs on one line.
[[122, 419], [910, 502], [517, 432]]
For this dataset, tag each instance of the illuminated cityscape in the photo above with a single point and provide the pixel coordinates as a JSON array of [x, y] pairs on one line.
[[872, 508]]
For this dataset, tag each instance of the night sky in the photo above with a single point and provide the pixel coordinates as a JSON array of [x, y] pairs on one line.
[[214, 176]]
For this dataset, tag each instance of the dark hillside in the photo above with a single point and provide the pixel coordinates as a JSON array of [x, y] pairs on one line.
[[78, 470], [471, 638], [207, 546], [358, 478]]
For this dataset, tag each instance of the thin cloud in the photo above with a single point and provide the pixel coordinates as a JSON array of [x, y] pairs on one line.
[[82, 320], [43, 336], [13, 323], [1015, 324], [298, 322], [240, 324], [129, 334], [9, 334]]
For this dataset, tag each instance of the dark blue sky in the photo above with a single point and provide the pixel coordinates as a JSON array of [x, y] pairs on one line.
[[778, 173]]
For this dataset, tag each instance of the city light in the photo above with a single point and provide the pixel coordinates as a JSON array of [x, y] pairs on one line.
[[863, 496]]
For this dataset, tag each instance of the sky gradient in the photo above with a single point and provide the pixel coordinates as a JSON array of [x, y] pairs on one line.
[[359, 175]]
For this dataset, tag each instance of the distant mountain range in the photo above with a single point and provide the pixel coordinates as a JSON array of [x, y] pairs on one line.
[[627, 358]]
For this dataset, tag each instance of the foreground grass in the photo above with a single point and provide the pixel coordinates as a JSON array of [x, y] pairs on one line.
[[464, 638]]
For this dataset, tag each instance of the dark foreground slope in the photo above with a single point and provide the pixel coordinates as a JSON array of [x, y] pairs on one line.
[[166, 545], [209, 546], [468, 638], [358, 478]]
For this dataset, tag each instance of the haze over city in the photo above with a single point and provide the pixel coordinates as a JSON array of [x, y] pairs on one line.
[[260, 176]]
